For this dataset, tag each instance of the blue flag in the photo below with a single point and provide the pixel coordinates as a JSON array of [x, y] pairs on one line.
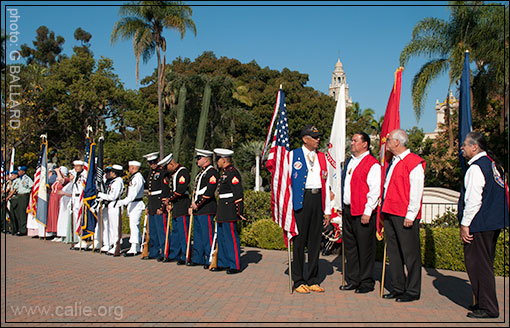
[[89, 219], [464, 108], [42, 195]]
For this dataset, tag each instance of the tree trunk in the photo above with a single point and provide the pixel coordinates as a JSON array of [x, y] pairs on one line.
[[180, 123], [160, 108]]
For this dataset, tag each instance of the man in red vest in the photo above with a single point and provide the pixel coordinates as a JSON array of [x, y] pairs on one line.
[[401, 207], [361, 188]]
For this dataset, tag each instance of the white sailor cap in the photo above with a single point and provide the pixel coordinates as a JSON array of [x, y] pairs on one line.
[[203, 153], [134, 163], [166, 160], [152, 156], [78, 162], [117, 167], [64, 170], [222, 152]]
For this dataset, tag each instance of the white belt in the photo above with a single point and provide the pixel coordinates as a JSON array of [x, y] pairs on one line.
[[153, 193], [226, 195]]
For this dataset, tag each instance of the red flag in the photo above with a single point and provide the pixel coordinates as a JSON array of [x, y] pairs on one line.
[[390, 123], [278, 164]]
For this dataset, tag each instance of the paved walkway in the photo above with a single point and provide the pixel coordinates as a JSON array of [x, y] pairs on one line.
[[45, 282]]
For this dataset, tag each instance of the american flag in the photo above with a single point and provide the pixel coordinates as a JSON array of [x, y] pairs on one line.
[[32, 204], [278, 164]]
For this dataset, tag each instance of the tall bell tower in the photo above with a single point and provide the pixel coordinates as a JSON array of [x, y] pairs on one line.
[[337, 79]]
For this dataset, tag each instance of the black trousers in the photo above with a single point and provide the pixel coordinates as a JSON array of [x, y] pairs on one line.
[[403, 249], [309, 222], [479, 259], [19, 206], [360, 244]]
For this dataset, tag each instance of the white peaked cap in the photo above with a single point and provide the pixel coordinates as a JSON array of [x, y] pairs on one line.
[[78, 162], [117, 167], [151, 156], [203, 152], [134, 163], [222, 152], [166, 160]]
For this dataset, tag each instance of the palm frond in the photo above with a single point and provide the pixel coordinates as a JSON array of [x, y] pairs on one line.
[[422, 79]]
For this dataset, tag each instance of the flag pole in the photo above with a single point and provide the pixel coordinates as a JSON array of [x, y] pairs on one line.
[[383, 269], [290, 266]]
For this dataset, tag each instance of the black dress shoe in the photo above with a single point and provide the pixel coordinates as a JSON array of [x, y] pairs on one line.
[[407, 298], [348, 287], [148, 258], [181, 262], [192, 264], [233, 271], [364, 290], [480, 314], [206, 266], [129, 254], [473, 307], [166, 260], [160, 259], [217, 269], [392, 295]]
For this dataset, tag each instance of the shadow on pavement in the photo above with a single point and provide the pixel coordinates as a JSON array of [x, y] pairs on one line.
[[250, 257], [455, 289]]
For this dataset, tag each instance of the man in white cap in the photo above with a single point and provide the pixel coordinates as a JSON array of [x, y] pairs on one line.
[[204, 208], [76, 201], [178, 178], [230, 210], [135, 206], [112, 195], [155, 208]]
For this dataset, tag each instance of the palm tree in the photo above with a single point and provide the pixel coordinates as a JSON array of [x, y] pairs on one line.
[[444, 43], [144, 22]]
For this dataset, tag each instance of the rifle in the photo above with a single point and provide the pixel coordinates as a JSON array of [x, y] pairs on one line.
[[117, 245], [213, 257], [145, 236], [189, 238]]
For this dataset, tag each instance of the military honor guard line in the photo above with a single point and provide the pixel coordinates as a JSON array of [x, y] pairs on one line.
[[197, 226]]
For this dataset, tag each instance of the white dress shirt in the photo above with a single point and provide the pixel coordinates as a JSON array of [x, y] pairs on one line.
[[416, 182], [474, 181], [373, 181], [313, 179]]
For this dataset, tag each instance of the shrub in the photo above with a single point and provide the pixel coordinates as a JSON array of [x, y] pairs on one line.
[[263, 233]]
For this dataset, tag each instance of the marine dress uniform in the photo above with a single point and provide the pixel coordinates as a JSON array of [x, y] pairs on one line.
[[157, 221], [179, 199], [230, 210], [206, 183]]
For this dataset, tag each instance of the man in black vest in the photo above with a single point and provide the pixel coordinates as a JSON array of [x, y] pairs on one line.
[[483, 212]]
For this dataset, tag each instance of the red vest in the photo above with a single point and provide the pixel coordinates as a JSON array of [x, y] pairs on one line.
[[396, 200], [359, 185]]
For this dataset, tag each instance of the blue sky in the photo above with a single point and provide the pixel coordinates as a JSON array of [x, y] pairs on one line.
[[367, 37]]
